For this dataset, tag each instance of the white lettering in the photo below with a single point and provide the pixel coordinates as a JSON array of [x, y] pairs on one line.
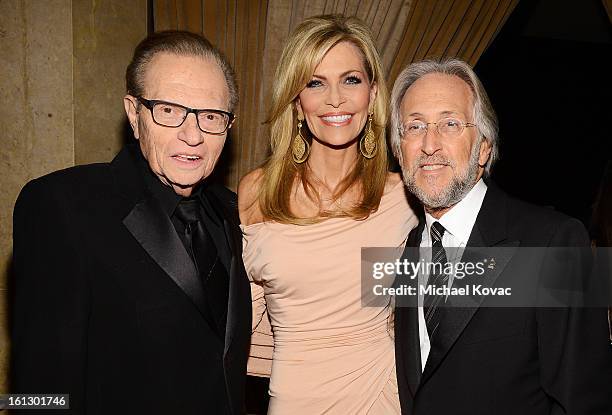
[[377, 270]]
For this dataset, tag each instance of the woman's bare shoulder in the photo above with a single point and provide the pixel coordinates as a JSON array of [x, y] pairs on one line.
[[248, 197]]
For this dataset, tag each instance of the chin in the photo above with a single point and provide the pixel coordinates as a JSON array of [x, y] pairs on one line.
[[431, 184], [433, 189], [183, 180], [338, 141]]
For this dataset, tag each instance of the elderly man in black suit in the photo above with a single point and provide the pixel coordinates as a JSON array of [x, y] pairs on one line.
[[130, 293], [480, 359]]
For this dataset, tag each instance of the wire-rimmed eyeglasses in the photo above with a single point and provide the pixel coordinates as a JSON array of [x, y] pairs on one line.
[[446, 127]]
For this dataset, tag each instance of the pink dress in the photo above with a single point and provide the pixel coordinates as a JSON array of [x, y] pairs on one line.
[[331, 355]]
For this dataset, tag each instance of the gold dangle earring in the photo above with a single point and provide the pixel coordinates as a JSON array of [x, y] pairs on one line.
[[367, 143], [300, 148]]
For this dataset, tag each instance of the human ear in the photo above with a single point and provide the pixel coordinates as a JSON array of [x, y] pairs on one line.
[[130, 104], [485, 152], [298, 107], [373, 92]]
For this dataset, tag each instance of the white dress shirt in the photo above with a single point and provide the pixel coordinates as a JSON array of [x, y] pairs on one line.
[[458, 222]]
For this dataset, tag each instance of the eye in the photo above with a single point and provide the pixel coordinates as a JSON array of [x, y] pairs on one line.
[[166, 109], [211, 117], [314, 83], [415, 126], [452, 123], [352, 80]]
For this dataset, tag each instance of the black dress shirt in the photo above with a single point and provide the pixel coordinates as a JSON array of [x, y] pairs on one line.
[[169, 200]]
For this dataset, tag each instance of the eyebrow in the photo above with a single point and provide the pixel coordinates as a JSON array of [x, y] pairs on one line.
[[443, 113], [450, 113], [341, 75]]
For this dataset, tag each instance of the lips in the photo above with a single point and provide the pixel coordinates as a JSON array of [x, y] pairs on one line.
[[337, 119], [187, 157], [431, 167], [433, 164]]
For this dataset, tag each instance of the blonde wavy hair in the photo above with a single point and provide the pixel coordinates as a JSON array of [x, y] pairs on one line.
[[304, 50]]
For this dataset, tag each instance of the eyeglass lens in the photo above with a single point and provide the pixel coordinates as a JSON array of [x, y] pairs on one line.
[[445, 127], [173, 115]]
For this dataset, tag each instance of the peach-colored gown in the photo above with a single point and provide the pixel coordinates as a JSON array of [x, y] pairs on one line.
[[331, 355]]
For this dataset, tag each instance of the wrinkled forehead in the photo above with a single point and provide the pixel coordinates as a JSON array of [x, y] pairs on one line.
[[438, 94]]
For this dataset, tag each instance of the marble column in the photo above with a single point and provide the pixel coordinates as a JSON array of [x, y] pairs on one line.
[[62, 83]]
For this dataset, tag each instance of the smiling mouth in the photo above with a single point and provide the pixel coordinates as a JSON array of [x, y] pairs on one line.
[[337, 119], [186, 157], [431, 167]]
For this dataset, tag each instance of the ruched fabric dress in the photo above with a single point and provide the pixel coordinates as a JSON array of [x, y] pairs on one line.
[[331, 354]]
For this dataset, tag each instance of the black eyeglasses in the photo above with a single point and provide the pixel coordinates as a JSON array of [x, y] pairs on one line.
[[169, 114]]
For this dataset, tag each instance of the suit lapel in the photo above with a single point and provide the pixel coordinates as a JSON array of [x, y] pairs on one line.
[[155, 233], [490, 230], [232, 301], [407, 331], [227, 290], [460, 310], [218, 233], [153, 229]]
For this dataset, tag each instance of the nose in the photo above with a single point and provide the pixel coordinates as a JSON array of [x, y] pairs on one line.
[[432, 141], [189, 132], [334, 96]]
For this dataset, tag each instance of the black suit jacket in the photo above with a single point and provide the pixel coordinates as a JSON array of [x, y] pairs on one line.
[[508, 360], [107, 303]]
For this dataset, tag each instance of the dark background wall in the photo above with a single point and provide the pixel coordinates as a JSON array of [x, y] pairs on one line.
[[548, 75]]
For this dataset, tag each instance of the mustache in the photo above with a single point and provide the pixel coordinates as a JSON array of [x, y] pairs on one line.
[[435, 159]]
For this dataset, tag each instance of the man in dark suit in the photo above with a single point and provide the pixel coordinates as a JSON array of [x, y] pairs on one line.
[[130, 292], [464, 355]]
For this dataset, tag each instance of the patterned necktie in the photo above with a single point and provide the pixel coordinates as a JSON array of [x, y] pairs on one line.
[[436, 279], [199, 243]]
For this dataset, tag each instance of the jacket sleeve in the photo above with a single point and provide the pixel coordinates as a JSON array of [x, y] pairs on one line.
[[50, 303], [573, 343]]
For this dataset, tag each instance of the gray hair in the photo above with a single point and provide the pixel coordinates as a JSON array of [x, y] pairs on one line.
[[484, 114]]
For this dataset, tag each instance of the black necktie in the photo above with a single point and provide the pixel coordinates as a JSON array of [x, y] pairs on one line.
[[200, 245], [437, 279]]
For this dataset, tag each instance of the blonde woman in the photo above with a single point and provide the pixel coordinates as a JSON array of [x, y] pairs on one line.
[[324, 193]]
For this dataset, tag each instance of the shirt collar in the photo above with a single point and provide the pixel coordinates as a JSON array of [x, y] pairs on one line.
[[460, 219], [166, 196], [163, 193]]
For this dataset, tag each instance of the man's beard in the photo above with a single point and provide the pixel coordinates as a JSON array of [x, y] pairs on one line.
[[460, 185]]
